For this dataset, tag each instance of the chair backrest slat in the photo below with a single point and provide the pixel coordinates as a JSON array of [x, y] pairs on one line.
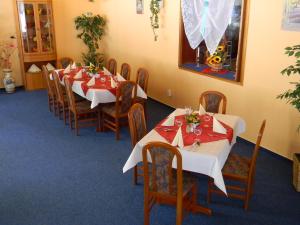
[[256, 149], [162, 179], [142, 79], [70, 95], [58, 87], [49, 85], [112, 66], [137, 123], [125, 96], [63, 62], [211, 100], [125, 71]]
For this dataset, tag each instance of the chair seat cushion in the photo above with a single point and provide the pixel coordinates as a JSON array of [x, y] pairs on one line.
[[84, 107], [163, 187], [139, 100], [236, 165], [109, 109]]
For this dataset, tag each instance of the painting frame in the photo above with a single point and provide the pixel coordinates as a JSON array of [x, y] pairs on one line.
[[187, 59], [140, 6], [291, 15]]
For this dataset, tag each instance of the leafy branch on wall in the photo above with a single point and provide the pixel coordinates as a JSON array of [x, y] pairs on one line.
[[155, 9]]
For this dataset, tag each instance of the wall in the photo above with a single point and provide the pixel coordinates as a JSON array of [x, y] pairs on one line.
[[129, 39], [64, 12], [8, 28]]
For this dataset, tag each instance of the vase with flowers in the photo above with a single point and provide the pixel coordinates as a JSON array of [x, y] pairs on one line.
[[192, 121], [216, 60], [6, 51]]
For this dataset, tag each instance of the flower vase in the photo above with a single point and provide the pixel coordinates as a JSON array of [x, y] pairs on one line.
[[216, 67], [8, 81]]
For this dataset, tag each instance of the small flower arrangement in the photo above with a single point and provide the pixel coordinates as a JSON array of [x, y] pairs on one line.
[[6, 51], [218, 57], [192, 118], [92, 69]]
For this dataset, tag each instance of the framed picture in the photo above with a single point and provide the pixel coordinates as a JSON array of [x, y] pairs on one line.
[[226, 63], [291, 15], [139, 6]]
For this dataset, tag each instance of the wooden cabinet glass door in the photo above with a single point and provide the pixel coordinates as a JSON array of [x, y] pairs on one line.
[[46, 29], [28, 27]]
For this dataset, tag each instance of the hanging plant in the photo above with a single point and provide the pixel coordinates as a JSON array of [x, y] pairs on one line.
[[155, 9], [92, 30]]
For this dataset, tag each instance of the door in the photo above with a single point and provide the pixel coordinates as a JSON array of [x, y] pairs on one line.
[[45, 29], [28, 27]]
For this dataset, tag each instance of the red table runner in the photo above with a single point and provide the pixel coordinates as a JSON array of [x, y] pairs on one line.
[[100, 84], [86, 78], [207, 135]]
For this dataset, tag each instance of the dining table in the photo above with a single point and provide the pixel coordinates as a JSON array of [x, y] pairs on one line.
[[205, 156], [101, 91]]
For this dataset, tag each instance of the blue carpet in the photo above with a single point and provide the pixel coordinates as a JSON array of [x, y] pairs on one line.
[[48, 176]]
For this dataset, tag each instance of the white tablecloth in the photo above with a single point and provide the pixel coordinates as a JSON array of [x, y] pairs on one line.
[[97, 96], [209, 158]]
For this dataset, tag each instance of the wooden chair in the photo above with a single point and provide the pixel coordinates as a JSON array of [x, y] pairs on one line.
[[52, 104], [162, 184], [63, 62], [81, 112], [239, 169], [138, 129], [125, 71], [114, 115], [62, 101], [211, 101], [142, 80], [112, 66]]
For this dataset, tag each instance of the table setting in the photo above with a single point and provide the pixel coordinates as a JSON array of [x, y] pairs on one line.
[[94, 84], [203, 139]]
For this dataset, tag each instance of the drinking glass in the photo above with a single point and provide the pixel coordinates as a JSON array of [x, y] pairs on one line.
[[178, 123]]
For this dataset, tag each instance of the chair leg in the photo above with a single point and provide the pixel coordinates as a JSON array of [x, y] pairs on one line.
[[210, 186], [70, 120], [194, 194], [179, 213], [146, 211], [49, 103], [135, 175], [248, 193], [64, 114], [76, 125], [117, 128]]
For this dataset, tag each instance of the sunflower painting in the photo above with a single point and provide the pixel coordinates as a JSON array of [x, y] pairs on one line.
[[291, 15]]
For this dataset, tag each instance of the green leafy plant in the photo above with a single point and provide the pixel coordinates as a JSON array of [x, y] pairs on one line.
[[91, 31], [292, 96], [155, 9]]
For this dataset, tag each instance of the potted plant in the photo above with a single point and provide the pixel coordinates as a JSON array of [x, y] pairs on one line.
[[7, 48], [292, 96], [91, 31]]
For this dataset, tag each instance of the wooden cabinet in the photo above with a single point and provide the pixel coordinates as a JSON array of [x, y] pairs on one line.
[[36, 38]]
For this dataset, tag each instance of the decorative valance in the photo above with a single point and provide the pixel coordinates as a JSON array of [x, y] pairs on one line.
[[206, 20]]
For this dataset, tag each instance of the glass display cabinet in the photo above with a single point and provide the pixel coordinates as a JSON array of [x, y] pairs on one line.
[[36, 39]]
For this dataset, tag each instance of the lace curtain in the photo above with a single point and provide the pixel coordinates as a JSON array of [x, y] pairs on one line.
[[206, 20]]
